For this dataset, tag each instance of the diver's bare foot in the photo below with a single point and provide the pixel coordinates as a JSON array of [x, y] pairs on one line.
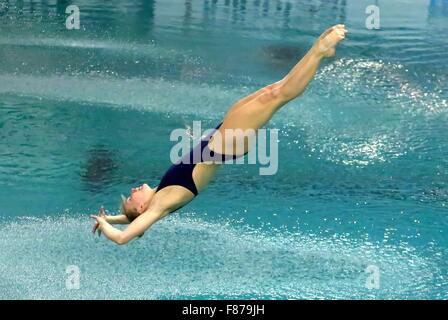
[[325, 46]]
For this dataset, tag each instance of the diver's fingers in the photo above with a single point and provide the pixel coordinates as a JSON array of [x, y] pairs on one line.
[[102, 211], [94, 217], [95, 227]]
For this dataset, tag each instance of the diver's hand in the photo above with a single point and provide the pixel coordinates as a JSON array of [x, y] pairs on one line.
[[99, 219], [325, 46]]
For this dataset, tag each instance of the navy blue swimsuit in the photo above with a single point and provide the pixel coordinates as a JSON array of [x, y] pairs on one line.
[[181, 173]]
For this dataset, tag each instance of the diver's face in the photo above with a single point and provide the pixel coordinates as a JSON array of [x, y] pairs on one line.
[[139, 198]]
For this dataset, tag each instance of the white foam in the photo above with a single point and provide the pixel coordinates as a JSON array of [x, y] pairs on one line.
[[368, 112], [188, 257], [143, 48], [153, 95]]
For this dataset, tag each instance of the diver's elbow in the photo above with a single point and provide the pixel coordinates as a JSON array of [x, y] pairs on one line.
[[121, 241]]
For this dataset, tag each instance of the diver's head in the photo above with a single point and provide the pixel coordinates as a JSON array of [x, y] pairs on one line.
[[137, 202]]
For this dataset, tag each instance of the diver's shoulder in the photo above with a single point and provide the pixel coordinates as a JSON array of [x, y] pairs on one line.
[[171, 198]]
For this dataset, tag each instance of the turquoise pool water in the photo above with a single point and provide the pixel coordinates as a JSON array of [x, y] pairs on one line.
[[86, 114]]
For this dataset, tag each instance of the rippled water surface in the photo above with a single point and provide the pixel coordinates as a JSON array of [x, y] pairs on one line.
[[86, 114]]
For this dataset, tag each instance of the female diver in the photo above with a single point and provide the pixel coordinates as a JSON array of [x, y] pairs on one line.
[[183, 181]]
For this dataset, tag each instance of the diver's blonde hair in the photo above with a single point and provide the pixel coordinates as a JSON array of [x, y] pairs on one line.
[[130, 214]]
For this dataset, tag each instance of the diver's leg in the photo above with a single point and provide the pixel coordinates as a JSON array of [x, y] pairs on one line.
[[252, 96], [266, 101], [258, 110], [295, 88]]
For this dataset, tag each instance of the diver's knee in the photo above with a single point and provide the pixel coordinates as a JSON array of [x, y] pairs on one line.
[[273, 94]]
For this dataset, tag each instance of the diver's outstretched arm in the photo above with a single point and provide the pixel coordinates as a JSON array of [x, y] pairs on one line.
[[118, 219], [135, 229]]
